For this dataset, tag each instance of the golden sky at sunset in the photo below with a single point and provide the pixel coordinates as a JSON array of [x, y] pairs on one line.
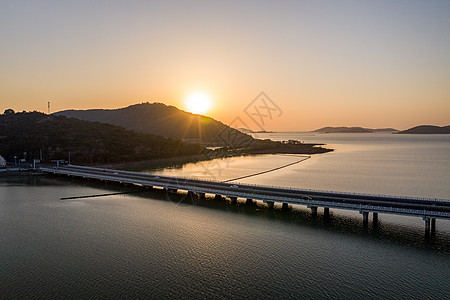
[[324, 63]]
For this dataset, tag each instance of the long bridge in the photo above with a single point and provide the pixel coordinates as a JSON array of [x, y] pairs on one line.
[[428, 209]]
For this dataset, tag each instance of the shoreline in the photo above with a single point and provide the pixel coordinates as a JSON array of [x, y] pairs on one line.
[[22, 172], [161, 163], [206, 155]]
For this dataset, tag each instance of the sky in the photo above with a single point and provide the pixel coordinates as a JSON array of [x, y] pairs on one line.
[[319, 63]]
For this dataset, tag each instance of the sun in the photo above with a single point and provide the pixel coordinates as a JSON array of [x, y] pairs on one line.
[[198, 103]]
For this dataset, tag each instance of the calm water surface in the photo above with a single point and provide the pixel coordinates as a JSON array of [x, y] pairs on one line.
[[405, 165], [150, 245]]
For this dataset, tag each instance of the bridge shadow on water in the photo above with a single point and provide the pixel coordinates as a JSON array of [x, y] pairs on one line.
[[337, 222]]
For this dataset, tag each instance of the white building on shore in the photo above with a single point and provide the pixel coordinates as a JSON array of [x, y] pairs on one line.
[[2, 162]]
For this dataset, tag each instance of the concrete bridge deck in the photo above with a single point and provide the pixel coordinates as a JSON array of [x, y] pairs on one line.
[[428, 209]]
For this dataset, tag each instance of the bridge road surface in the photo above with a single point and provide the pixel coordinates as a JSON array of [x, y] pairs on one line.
[[428, 209]]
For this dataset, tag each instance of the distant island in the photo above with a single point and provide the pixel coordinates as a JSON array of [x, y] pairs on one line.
[[353, 130], [427, 129], [246, 130]]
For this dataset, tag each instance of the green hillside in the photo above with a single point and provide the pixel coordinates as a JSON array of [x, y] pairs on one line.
[[88, 142]]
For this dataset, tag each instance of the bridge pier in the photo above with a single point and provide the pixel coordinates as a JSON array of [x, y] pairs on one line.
[[314, 210], [270, 204], [326, 212], [430, 225], [427, 225], [285, 206], [172, 191], [233, 200], [375, 219], [218, 197], [365, 217], [249, 201], [201, 195]]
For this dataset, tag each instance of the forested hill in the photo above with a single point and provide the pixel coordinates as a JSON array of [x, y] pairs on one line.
[[168, 121], [88, 142]]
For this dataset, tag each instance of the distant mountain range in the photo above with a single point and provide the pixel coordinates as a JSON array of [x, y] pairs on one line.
[[427, 129], [353, 130], [168, 121]]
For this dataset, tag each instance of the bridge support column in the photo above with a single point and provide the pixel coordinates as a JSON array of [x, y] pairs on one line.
[[249, 201], [375, 219], [285, 206], [314, 210], [427, 225], [233, 200], [172, 191], [433, 225], [218, 197], [365, 217], [270, 204], [201, 195], [326, 212]]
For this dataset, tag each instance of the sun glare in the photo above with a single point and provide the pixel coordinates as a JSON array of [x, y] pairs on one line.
[[198, 103]]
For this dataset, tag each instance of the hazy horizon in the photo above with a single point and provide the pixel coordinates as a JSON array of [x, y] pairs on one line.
[[348, 63]]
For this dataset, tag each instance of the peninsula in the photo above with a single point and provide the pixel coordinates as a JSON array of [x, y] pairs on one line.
[[32, 135]]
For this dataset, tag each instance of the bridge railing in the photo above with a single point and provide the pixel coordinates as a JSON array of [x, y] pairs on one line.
[[343, 194], [256, 196]]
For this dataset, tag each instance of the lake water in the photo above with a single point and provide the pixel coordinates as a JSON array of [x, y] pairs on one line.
[[405, 165], [148, 244]]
